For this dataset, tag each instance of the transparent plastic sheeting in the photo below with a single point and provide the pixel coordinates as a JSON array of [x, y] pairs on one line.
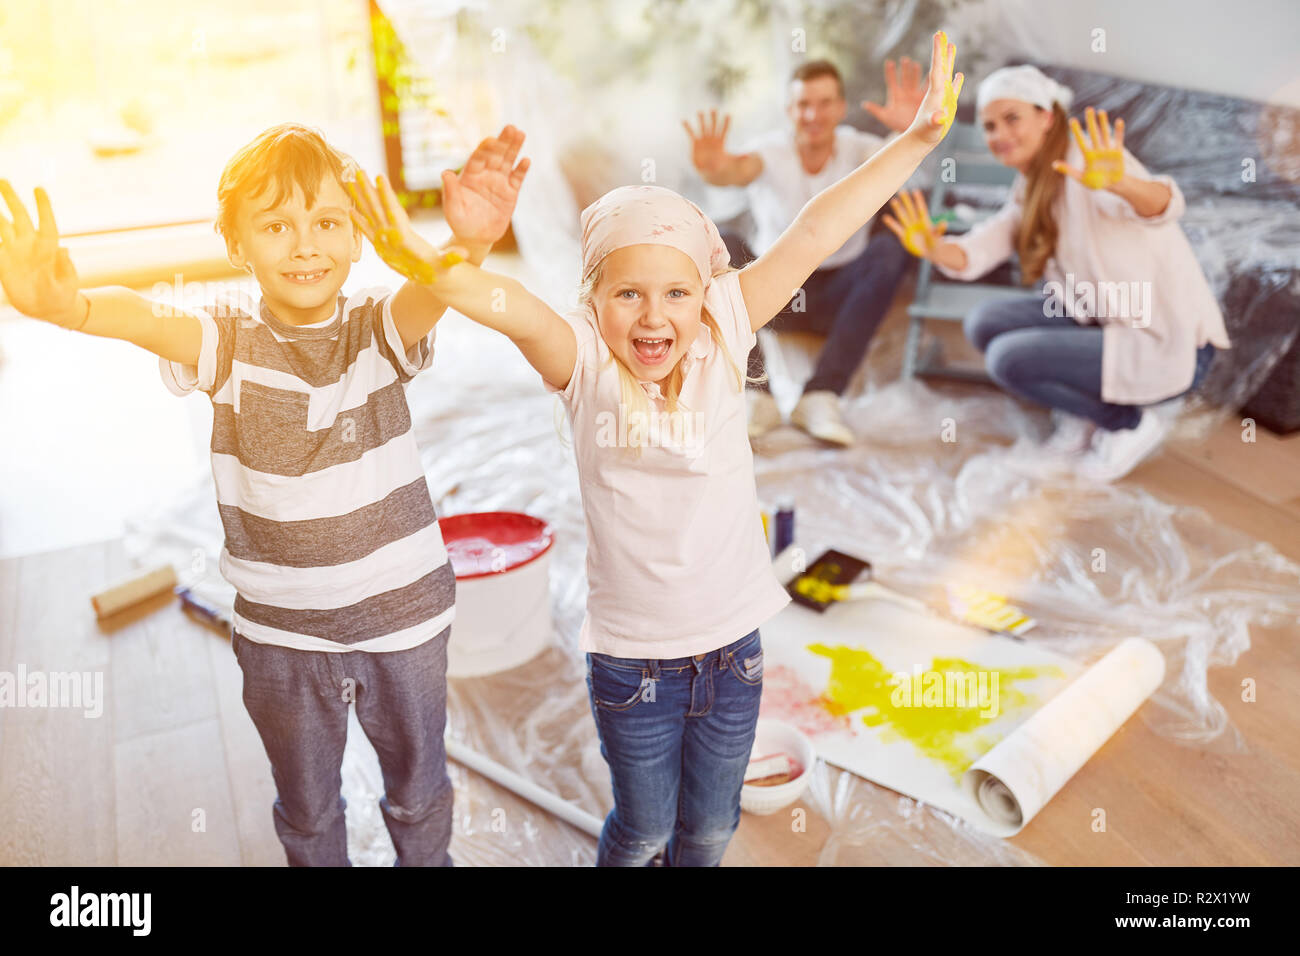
[[982, 510], [604, 115]]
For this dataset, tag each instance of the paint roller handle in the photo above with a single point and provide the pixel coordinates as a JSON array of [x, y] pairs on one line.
[[873, 589]]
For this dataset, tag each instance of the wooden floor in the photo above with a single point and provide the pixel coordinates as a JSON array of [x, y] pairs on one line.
[[172, 772]]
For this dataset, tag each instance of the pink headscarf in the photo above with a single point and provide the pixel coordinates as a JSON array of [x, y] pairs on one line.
[[651, 215]]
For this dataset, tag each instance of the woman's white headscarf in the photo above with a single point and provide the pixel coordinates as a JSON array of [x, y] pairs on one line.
[[1026, 83]]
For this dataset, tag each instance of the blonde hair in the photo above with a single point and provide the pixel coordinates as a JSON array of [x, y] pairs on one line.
[[633, 397], [1036, 242]]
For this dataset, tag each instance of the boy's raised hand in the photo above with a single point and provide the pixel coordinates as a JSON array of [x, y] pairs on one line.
[[380, 217], [38, 277], [939, 108], [479, 201], [913, 226]]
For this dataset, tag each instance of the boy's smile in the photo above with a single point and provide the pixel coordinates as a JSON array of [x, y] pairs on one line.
[[300, 255]]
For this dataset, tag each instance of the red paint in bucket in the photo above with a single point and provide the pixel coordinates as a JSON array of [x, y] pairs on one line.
[[492, 542]]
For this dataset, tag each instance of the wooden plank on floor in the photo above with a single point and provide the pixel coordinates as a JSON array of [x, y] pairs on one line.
[[1174, 477], [162, 676], [163, 781], [56, 789], [793, 836], [1267, 467]]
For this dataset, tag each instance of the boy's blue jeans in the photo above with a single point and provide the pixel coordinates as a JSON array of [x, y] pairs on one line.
[[299, 703], [1052, 360], [677, 736]]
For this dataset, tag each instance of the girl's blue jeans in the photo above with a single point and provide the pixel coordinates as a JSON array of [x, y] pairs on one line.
[[1052, 360], [677, 736]]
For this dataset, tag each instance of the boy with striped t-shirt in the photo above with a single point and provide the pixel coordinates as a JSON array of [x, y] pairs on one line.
[[344, 589]]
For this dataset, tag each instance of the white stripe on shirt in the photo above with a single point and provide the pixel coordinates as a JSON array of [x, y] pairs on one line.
[[393, 566]]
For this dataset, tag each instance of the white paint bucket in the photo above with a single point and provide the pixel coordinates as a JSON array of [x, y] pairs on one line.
[[502, 563]]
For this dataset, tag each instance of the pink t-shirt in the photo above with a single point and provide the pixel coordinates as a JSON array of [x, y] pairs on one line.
[[677, 563]]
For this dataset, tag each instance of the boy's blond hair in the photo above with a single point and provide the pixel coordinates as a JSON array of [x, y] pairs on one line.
[[277, 160]]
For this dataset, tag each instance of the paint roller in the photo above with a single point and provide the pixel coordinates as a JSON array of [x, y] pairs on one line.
[[133, 591]]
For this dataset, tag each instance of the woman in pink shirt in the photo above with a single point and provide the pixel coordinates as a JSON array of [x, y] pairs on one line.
[[1127, 318], [649, 367]]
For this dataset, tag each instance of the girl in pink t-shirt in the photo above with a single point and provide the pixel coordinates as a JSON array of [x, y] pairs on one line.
[[678, 571]]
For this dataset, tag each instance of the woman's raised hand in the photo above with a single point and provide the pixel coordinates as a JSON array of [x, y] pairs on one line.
[[939, 107], [380, 217], [708, 146], [38, 277], [1103, 155], [913, 226], [479, 200]]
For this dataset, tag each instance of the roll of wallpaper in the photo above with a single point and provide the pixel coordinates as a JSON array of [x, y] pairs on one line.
[[137, 589], [1017, 778]]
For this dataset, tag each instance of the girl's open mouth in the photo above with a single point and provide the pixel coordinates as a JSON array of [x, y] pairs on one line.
[[652, 351]]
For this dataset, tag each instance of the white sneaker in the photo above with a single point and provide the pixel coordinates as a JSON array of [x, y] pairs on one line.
[[1115, 453], [818, 413], [1071, 436], [764, 415]]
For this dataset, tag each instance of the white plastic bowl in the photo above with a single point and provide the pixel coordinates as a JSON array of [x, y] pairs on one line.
[[776, 736]]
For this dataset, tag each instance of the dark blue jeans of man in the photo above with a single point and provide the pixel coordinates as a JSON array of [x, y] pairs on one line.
[[1052, 360], [677, 736], [846, 304], [299, 703]]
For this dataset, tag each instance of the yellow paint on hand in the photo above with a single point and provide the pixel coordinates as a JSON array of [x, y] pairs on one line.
[[950, 729]]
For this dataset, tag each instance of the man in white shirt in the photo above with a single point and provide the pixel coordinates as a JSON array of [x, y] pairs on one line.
[[847, 297]]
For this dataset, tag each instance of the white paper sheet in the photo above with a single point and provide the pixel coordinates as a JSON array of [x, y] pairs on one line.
[[1051, 713]]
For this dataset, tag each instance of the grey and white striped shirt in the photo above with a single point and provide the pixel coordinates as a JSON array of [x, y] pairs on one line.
[[332, 543]]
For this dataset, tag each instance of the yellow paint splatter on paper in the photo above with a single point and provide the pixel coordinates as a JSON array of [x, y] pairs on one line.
[[953, 730]]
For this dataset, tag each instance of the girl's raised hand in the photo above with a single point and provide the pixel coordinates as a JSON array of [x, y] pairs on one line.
[[1103, 156], [38, 277], [479, 201], [383, 221], [913, 226], [939, 107]]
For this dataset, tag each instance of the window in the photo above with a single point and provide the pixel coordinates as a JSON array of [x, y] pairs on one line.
[[126, 111]]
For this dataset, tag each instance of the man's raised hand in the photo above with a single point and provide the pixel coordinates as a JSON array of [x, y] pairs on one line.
[[902, 96], [708, 146]]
